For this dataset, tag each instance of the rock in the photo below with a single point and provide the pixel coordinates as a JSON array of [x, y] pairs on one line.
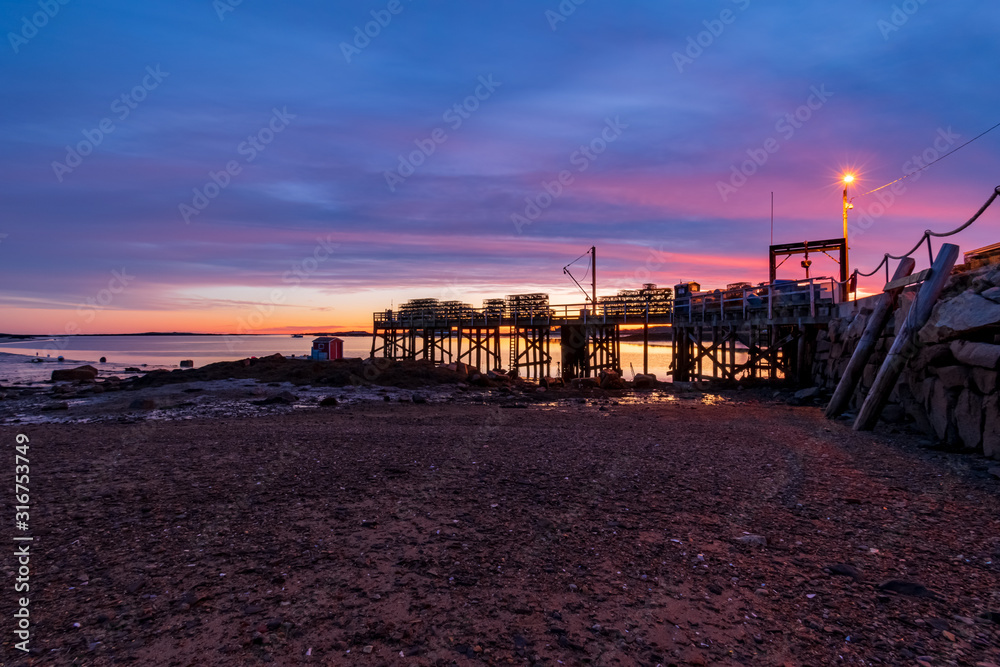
[[644, 381], [419, 398], [991, 616], [939, 409], [755, 540], [62, 405], [953, 376], [282, 398], [993, 294], [903, 305], [991, 435], [132, 369], [844, 570], [330, 401], [609, 380], [690, 386], [893, 414], [807, 394], [71, 374], [976, 354], [968, 417], [498, 377], [925, 391], [142, 404], [995, 472], [984, 380], [552, 383], [857, 326], [965, 313], [933, 355], [909, 588], [187, 363], [585, 383]]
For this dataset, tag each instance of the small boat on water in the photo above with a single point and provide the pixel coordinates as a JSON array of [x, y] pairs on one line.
[[296, 335]]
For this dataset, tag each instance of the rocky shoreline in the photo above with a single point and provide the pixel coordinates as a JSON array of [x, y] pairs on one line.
[[270, 385]]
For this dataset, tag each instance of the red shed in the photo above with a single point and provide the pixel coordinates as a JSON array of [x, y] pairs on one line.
[[327, 347]]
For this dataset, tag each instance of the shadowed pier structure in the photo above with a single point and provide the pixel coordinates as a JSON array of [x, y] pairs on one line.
[[767, 331]]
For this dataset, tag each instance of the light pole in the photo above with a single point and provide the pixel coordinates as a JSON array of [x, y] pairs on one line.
[[848, 179]]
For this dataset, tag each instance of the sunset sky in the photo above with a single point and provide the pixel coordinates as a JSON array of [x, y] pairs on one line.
[[219, 166]]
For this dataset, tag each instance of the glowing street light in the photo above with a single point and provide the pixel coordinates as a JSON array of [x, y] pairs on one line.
[[848, 179]]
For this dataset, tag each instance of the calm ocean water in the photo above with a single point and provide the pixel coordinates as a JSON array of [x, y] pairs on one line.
[[168, 351]]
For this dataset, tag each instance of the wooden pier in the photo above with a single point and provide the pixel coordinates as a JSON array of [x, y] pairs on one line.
[[762, 332]]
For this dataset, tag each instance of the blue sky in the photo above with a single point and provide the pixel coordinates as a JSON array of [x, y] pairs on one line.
[[310, 231]]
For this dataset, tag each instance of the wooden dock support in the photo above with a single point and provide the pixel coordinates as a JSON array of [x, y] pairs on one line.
[[484, 347], [869, 339], [530, 350], [903, 347], [645, 345]]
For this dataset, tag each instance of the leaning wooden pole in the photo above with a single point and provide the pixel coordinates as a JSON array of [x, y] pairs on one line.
[[866, 346], [903, 347]]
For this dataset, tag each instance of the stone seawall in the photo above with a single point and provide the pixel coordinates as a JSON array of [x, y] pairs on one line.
[[949, 388]]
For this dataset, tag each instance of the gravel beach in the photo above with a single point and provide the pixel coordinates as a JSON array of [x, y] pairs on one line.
[[697, 530]]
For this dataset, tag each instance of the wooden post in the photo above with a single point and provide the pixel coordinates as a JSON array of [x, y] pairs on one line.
[[869, 339], [645, 344], [902, 348]]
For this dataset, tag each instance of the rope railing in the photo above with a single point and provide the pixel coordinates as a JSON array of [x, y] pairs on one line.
[[925, 238]]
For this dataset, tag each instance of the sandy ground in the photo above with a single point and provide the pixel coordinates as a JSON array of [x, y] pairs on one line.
[[439, 534]]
